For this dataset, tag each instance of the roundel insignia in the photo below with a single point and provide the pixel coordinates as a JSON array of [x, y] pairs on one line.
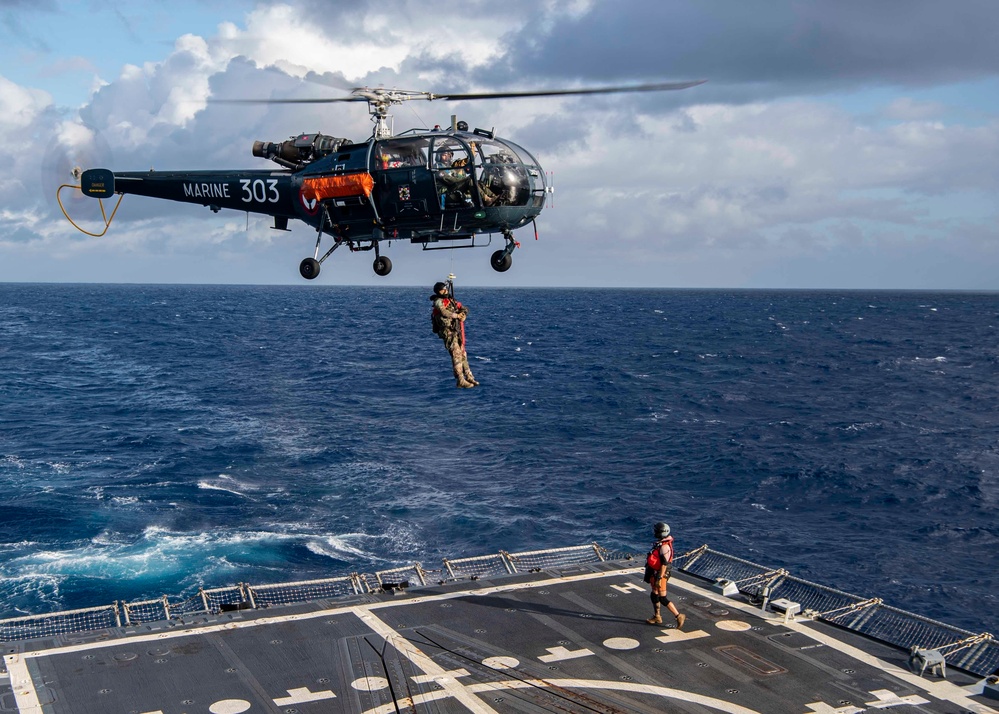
[[309, 205]]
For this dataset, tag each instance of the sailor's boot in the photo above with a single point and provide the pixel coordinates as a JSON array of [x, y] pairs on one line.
[[680, 619], [657, 618]]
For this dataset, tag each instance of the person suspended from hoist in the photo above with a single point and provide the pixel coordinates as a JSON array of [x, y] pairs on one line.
[[448, 322]]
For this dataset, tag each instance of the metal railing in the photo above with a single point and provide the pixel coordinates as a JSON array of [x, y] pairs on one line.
[[246, 596]]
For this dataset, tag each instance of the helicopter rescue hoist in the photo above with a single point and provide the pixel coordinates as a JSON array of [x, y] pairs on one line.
[[443, 188]]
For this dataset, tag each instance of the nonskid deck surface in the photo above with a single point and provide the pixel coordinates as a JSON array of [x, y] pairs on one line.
[[573, 640]]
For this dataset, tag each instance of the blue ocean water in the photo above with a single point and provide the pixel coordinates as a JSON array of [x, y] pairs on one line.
[[154, 439]]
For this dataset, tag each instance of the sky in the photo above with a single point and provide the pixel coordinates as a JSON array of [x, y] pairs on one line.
[[842, 144]]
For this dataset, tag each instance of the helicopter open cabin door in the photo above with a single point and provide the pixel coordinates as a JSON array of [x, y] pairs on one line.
[[406, 193]]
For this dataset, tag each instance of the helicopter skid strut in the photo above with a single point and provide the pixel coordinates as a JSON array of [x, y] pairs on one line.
[[310, 267]]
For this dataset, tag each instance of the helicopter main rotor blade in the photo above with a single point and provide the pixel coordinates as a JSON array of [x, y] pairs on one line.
[[394, 96], [660, 87], [323, 100]]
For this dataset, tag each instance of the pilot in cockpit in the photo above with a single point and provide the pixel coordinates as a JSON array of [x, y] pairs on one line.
[[454, 178], [444, 159]]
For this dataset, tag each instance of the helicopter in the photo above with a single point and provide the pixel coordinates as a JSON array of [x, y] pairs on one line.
[[440, 188]]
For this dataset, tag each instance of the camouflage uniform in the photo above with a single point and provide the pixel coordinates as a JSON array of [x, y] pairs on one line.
[[451, 315]]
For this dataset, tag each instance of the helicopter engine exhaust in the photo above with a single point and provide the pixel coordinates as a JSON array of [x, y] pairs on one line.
[[298, 151]]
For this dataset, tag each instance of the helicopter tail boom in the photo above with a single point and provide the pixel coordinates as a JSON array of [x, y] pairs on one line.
[[268, 192], [272, 193]]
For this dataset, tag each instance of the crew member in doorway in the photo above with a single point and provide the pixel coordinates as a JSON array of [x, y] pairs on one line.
[[658, 566], [448, 318]]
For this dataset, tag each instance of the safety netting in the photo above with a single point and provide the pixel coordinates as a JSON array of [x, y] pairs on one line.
[[975, 653]]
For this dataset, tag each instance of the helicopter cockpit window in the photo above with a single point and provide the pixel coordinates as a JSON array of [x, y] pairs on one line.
[[401, 153], [454, 175], [500, 174], [449, 153]]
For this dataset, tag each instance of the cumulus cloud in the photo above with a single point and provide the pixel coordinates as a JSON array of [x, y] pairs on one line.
[[20, 106], [790, 176]]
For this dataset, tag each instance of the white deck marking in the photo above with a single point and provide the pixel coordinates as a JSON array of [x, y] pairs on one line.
[[229, 706], [370, 684], [584, 684], [628, 588], [621, 643], [449, 685], [823, 708], [501, 662], [450, 674], [887, 698], [560, 653], [733, 625], [25, 696], [671, 637], [655, 690], [302, 695]]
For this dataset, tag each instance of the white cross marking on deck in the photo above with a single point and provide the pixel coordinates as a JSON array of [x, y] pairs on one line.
[[449, 677], [823, 708], [561, 653], [673, 636], [888, 698], [629, 587], [303, 695]]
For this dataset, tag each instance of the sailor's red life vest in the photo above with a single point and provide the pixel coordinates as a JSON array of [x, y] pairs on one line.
[[654, 559]]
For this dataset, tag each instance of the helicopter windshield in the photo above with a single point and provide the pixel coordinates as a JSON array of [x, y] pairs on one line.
[[501, 172], [468, 169]]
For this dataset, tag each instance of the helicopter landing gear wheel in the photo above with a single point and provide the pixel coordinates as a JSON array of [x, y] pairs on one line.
[[382, 266], [501, 261], [309, 268]]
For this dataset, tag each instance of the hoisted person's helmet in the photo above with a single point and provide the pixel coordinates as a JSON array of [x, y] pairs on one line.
[[661, 530], [439, 286]]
